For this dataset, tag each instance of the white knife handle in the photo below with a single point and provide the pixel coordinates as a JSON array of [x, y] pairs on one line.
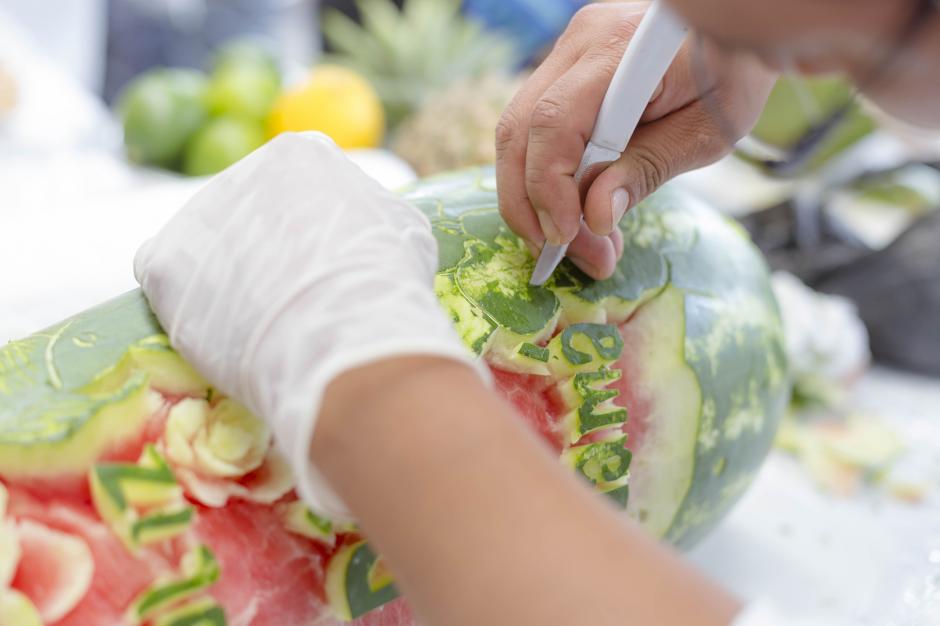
[[593, 155], [649, 55]]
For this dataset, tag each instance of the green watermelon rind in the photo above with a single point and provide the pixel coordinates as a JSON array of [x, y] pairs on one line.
[[733, 338]]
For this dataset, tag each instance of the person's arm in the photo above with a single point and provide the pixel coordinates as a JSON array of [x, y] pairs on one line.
[[479, 523], [542, 134], [299, 287], [889, 49]]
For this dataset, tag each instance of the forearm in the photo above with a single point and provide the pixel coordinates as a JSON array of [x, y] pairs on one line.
[[480, 524]]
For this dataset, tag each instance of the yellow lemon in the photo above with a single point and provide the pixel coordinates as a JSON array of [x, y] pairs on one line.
[[335, 101]]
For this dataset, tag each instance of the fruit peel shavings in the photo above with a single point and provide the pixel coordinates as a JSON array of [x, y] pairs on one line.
[[844, 453]]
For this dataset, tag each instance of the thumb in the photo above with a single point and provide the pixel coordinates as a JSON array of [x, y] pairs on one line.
[[682, 141]]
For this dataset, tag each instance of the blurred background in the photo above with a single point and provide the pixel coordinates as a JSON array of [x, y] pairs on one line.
[[112, 112]]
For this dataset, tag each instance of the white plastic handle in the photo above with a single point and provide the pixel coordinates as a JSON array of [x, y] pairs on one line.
[[645, 62]]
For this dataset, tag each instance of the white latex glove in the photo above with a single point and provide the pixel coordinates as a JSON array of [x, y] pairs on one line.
[[286, 270]]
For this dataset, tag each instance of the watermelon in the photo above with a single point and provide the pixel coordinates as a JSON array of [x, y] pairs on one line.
[[135, 493]]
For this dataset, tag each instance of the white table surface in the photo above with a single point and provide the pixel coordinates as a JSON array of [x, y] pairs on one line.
[[870, 559]]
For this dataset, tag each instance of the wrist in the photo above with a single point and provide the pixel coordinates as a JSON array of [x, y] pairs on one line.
[[360, 398]]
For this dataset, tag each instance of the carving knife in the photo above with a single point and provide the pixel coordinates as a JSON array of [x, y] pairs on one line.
[[644, 63]]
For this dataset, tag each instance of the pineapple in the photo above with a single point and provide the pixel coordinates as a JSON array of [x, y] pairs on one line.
[[454, 129], [411, 53]]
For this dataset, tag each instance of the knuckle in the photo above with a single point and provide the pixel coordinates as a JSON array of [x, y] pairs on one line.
[[536, 176], [654, 169], [620, 32], [516, 218], [737, 125], [710, 141], [548, 114], [731, 108], [600, 26], [507, 129], [712, 146], [588, 14], [604, 60], [543, 184], [544, 167]]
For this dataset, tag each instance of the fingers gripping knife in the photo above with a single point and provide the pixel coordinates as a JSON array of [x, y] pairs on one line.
[[644, 63]]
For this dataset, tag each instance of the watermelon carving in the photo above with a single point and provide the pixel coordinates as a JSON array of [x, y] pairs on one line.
[[134, 493]]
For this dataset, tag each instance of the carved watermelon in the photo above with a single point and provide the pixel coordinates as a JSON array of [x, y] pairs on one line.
[[136, 494]]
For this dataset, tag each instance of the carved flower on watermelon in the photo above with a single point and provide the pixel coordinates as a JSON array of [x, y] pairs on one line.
[[661, 387], [220, 450]]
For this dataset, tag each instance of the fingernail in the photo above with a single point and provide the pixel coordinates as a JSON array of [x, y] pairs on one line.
[[619, 200], [549, 229]]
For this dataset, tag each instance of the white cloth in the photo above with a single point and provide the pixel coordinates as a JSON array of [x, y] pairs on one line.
[[825, 336], [288, 269], [762, 613]]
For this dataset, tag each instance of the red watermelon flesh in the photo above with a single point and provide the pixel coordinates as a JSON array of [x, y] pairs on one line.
[[534, 399], [269, 575], [40, 574], [118, 576]]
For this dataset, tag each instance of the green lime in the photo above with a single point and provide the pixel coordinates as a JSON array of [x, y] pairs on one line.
[[161, 109], [221, 142], [243, 52], [247, 90]]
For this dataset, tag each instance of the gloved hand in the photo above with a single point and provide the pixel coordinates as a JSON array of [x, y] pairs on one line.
[[286, 270]]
